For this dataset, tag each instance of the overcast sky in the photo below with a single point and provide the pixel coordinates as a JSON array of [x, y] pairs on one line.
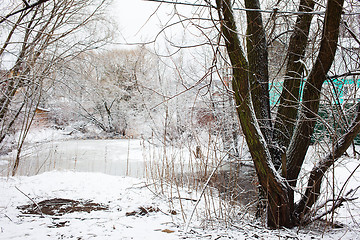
[[132, 16]]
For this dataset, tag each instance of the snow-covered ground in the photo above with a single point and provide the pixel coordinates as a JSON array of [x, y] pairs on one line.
[[125, 195], [121, 194], [95, 170]]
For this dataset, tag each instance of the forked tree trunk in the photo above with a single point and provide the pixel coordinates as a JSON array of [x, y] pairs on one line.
[[290, 97], [250, 82], [275, 189]]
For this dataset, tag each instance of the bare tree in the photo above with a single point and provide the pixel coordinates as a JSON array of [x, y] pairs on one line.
[[110, 89], [313, 57], [38, 38], [279, 151]]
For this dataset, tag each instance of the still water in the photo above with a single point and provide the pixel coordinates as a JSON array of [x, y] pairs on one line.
[[120, 157]]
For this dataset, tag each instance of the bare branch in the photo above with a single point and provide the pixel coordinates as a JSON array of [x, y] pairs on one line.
[[23, 9], [26, 3]]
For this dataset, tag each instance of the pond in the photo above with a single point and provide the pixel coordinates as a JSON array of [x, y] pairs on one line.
[[122, 157]]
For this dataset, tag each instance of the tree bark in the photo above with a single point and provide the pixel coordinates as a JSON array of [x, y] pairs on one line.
[[257, 53], [289, 100], [301, 139], [276, 190]]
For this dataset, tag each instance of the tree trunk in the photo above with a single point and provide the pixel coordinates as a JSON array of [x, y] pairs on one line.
[[289, 100], [301, 139], [257, 53], [276, 190]]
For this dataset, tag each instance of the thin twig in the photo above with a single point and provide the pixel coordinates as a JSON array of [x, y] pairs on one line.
[[23, 9], [238, 9], [8, 217], [37, 205], [338, 203], [202, 193]]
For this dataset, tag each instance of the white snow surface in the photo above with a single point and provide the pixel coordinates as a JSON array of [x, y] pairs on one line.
[[122, 195]]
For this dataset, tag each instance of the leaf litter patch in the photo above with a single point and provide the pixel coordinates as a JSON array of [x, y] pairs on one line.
[[142, 211], [61, 206]]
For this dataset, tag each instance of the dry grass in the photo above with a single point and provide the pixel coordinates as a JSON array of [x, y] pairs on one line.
[[199, 173]]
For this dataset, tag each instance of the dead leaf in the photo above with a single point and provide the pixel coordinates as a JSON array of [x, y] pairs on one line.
[[167, 231]]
